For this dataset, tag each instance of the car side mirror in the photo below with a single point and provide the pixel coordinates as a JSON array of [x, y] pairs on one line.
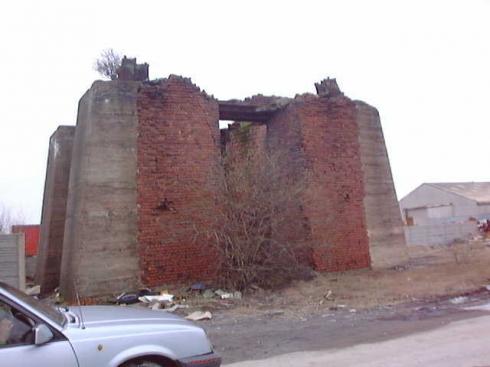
[[42, 334]]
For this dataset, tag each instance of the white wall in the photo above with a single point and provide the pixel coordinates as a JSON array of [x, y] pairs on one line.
[[429, 196], [440, 234], [12, 260], [484, 210]]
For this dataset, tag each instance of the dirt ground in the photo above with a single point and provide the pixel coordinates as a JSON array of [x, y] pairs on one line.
[[343, 309], [432, 272], [338, 310]]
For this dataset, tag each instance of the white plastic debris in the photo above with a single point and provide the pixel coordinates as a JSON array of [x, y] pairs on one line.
[[175, 308], [487, 287], [220, 292], [156, 306], [228, 295], [33, 291], [458, 300], [199, 315], [159, 298]]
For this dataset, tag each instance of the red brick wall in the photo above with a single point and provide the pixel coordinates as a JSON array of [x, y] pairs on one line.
[[321, 136], [31, 233], [178, 148], [335, 193]]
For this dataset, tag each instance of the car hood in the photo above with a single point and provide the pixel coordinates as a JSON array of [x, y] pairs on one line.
[[106, 316], [140, 330]]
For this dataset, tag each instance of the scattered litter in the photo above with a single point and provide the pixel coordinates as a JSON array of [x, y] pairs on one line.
[[156, 306], [164, 297], [199, 286], [58, 299], [199, 315], [352, 310], [487, 287], [458, 300], [400, 267], [129, 298], [329, 293], [337, 307], [208, 293], [33, 291], [220, 292], [228, 295], [175, 308]]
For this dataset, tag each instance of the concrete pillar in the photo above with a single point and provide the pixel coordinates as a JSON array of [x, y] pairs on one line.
[[54, 208], [385, 228], [100, 245]]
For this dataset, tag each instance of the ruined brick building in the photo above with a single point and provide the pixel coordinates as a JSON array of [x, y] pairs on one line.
[[126, 188]]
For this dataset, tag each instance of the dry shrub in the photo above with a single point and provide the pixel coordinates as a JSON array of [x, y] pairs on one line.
[[256, 197]]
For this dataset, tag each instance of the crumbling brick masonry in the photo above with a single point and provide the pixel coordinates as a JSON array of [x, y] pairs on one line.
[[142, 189]]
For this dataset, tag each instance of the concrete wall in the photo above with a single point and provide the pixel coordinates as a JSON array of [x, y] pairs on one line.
[[31, 266], [384, 224], [12, 260], [440, 234], [100, 245], [54, 208]]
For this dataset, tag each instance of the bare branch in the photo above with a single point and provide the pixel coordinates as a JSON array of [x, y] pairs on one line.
[[256, 195], [108, 63]]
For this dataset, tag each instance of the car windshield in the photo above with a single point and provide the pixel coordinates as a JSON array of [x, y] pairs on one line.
[[50, 312]]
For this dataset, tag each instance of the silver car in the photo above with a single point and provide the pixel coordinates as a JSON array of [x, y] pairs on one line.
[[34, 334]]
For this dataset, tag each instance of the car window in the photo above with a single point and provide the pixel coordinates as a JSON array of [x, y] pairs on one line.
[[50, 312], [15, 327]]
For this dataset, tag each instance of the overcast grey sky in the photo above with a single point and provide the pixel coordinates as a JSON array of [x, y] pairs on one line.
[[424, 64]]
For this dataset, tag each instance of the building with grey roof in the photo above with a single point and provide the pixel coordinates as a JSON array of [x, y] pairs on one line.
[[440, 213]]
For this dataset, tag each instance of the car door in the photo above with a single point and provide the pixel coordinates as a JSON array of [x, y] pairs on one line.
[[17, 347]]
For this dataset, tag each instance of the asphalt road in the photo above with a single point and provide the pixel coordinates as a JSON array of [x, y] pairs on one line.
[[463, 343]]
